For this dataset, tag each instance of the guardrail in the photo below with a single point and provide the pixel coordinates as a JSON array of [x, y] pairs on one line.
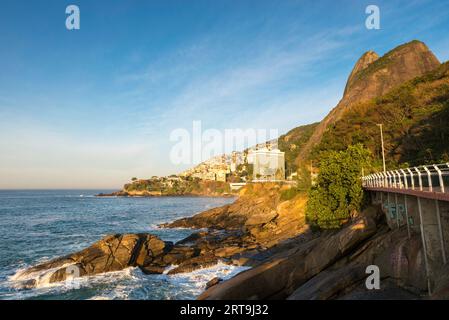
[[428, 178]]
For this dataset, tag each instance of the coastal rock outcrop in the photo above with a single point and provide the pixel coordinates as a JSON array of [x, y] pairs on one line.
[[283, 273], [145, 251], [112, 253], [333, 266], [236, 234], [212, 282], [310, 265], [172, 186], [259, 212], [329, 283], [398, 257]]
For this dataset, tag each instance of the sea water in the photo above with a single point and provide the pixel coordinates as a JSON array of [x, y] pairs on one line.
[[36, 226]]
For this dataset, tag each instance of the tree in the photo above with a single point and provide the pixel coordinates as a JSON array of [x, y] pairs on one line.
[[303, 178], [338, 189], [133, 179]]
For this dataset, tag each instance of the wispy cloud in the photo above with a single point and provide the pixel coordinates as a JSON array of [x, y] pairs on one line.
[[239, 85], [107, 113]]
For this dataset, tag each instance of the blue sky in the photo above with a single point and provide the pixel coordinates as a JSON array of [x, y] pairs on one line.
[[93, 107]]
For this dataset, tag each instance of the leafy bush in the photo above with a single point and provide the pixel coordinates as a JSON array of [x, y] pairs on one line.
[[288, 194], [338, 190]]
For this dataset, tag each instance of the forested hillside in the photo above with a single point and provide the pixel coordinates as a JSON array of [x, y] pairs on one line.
[[415, 118]]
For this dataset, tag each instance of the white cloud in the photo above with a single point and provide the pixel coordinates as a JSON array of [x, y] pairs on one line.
[[229, 90]]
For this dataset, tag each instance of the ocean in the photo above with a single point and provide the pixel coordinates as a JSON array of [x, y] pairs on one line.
[[36, 226]]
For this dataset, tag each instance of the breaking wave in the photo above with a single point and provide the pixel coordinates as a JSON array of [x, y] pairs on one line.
[[38, 225], [127, 284]]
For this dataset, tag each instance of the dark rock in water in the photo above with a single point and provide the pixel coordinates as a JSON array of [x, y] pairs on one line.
[[253, 223], [146, 251], [113, 194], [202, 261], [29, 284], [112, 253], [152, 269], [217, 218], [180, 254], [213, 282], [192, 238]]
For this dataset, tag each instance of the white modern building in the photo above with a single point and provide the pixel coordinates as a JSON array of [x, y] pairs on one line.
[[268, 165]]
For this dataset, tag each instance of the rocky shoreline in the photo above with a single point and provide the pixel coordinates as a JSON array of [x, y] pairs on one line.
[[288, 260], [149, 194], [173, 186], [235, 234]]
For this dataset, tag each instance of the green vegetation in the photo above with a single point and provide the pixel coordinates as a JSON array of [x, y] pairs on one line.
[[177, 186], [289, 194], [303, 180], [414, 117], [292, 142], [244, 170], [338, 190], [380, 63]]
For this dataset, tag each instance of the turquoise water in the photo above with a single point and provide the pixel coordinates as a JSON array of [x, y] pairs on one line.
[[36, 226]]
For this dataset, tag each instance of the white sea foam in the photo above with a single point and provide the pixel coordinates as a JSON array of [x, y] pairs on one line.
[[41, 278], [179, 286], [116, 284], [62, 222], [129, 283], [193, 283]]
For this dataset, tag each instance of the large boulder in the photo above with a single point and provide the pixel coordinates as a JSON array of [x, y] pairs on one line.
[[330, 283], [398, 257], [112, 253], [146, 251], [283, 273]]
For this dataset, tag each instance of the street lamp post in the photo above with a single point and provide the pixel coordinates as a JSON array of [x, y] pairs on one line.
[[383, 150]]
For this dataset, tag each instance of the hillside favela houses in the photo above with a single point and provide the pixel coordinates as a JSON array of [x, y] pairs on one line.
[[262, 163], [219, 175]]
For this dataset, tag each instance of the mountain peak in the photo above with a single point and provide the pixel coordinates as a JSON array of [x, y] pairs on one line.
[[364, 61], [373, 76], [412, 45]]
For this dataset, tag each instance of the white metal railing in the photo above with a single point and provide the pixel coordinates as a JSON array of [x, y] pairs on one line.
[[430, 178]]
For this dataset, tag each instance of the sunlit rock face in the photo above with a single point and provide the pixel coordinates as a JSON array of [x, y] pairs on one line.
[[373, 76], [112, 253]]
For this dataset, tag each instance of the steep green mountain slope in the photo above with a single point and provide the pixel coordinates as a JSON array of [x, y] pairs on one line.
[[292, 142], [415, 118], [372, 77]]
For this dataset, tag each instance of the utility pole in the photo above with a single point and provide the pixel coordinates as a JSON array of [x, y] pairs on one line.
[[383, 150]]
